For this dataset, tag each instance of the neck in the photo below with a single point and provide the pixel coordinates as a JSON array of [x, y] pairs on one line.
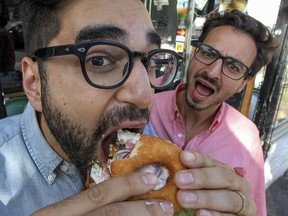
[[195, 121]]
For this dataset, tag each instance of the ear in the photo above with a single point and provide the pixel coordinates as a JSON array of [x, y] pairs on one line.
[[31, 82], [243, 84]]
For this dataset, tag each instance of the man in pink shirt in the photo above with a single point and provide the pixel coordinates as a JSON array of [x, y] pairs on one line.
[[232, 48]]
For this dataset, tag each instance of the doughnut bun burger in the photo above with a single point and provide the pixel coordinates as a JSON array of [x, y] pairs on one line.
[[134, 152]]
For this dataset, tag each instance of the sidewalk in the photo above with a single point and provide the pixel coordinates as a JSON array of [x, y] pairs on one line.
[[277, 197]]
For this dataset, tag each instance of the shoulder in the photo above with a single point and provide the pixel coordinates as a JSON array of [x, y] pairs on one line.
[[13, 155], [163, 100], [234, 117], [10, 128], [164, 95], [237, 128]]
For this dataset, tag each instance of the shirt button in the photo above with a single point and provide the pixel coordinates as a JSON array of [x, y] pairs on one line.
[[64, 168], [51, 178], [179, 135]]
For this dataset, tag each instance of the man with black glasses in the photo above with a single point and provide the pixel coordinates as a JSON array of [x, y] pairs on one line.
[[231, 49], [88, 72]]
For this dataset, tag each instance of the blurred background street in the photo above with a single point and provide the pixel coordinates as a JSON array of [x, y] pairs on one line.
[[277, 197]]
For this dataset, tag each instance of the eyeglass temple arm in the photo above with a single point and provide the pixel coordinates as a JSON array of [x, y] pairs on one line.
[[194, 42], [47, 52]]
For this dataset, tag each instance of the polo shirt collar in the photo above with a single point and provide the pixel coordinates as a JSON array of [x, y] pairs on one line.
[[175, 109], [45, 158]]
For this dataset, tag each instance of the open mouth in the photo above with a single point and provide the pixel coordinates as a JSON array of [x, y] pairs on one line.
[[202, 90], [112, 138]]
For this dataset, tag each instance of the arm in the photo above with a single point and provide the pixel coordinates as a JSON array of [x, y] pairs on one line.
[[108, 198]]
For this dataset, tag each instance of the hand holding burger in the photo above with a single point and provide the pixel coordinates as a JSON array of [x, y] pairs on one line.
[[133, 152]]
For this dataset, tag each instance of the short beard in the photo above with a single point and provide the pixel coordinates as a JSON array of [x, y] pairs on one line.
[[78, 143]]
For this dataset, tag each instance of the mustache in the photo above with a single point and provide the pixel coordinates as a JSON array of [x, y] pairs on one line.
[[120, 114], [208, 79], [110, 118]]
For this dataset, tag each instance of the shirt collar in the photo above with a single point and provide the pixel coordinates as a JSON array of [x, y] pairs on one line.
[[218, 117], [45, 158], [175, 109]]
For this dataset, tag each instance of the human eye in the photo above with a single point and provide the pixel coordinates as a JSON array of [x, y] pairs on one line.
[[106, 64], [99, 62], [234, 67], [208, 53], [162, 68]]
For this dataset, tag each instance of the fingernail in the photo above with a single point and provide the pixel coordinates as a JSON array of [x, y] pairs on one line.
[[205, 213], [184, 178], [149, 179], [189, 156], [166, 207], [188, 197]]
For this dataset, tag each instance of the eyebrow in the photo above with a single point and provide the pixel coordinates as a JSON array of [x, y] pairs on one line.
[[153, 37], [229, 57], [111, 32]]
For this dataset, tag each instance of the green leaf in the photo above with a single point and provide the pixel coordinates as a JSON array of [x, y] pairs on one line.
[[185, 212]]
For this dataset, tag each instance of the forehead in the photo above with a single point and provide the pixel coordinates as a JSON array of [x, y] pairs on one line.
[[131, 16], [233, 43]]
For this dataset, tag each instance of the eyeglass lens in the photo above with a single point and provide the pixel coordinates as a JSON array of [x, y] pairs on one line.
[[162, 68], [107, 65], [230, 67]]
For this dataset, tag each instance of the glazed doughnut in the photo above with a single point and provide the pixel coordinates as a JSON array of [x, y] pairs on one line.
[[152, 150]]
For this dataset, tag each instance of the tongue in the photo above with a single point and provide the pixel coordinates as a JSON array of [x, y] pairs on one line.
[[203, 90]]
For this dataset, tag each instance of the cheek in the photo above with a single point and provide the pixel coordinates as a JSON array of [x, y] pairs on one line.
[[192, 68], [230, 87], [78, 100]]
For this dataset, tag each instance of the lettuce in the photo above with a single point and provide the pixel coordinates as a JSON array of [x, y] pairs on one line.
[[185, 212]]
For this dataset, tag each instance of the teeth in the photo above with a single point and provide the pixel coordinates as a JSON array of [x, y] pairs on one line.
[[201, 96]]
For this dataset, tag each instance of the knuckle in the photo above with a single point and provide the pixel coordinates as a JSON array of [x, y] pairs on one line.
[[153, 208], [98, 195], [112, 210], [236, 202], [129, 183], [230, 178]]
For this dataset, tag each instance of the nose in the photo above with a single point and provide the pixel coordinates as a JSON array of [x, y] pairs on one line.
[[136, 90], [214, 69]]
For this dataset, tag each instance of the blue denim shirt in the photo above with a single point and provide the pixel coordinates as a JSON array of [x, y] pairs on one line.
[[32, 174]]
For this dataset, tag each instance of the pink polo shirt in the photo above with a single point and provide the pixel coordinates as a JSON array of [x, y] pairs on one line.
[[232, 139]]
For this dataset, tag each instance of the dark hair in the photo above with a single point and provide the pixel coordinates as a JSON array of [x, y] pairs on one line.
[[3, 21], [265, 42], [40, 22]]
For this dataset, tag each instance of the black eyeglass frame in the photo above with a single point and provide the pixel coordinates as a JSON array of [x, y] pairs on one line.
[[197, 44], [81, 49]]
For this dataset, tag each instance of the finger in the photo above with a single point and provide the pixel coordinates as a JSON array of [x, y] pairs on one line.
[[142, 208], [210, 178], [193, 159], [110, 191], [200, 212], [210, 199], [209, 173]]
